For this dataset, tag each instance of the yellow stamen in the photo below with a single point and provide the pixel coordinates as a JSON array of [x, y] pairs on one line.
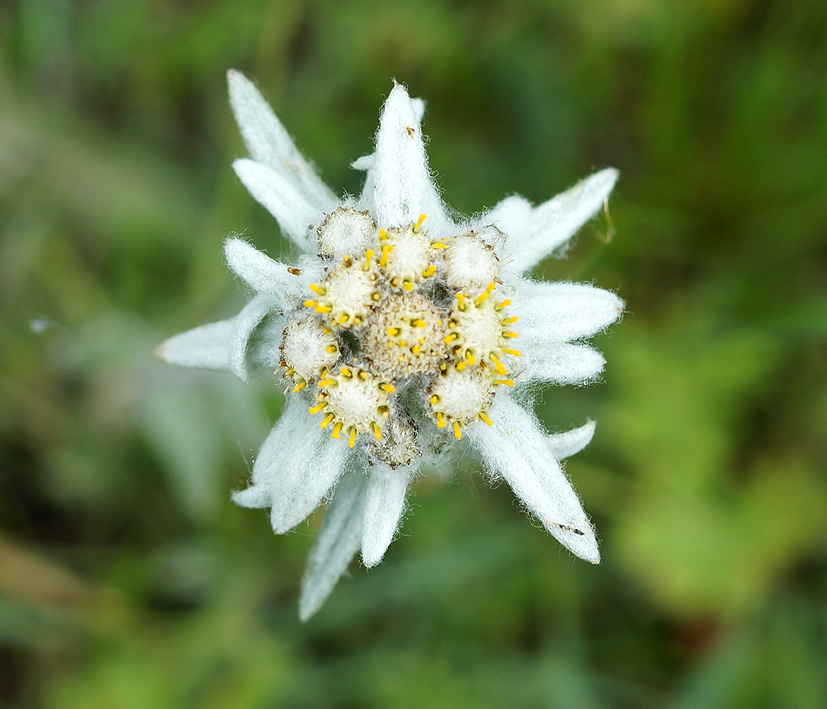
[[386, 249], [331, 349], [317, 408], [377, 432], [327, 419], [415, 349], [430, 271], [403, 343], [357, 320], [346, 372], [317, 289], [499, 365], [393, 331], [363, 375], [323, 308], [434, 398], [336, 429], [487, 420], [471, 359], [343, 319], [310, 303], [457, 432], [450, 338], [461, 300], [407, 285], [348, 261], [390, 388], [440, 420], [482, 296], [383, 234], [419, 322], [460, 366], [502, 304], [510, 334], [508, 321], [375, 297], [368, 258], [326, 382], [513, 353], [507, 382], [299, 387], [422, 218], [352, 440], [438, 245]]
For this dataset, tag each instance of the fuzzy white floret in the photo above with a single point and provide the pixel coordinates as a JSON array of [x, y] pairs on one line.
[[462, 395], [479, 328], [468, 262], [346, 232], [338, 542], [349, 291], [409, 257], [355, 401], [306, 346], [516, 449], [384, 505]]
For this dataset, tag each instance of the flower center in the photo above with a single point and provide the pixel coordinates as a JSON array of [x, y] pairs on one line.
[[401, 319]]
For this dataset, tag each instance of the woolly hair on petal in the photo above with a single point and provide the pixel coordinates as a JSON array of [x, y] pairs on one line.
[[510, 216], [560, 363], [246, 322], [400, 181], [516, 449], [262, 273], [568, 443], [269, 143], [208, 346], [554, 222], [294, 213], [337, 543], [384, 505], [559, 312]]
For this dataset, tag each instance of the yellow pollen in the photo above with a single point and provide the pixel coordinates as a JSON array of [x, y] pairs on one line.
[[415, 350], [290, 371], [377, 432], [323, 308], [343, 319], [460, 366], [299, 387], [390, 388], [385, 411], [420, 340], [352, 440], [457, 432], [419, 322], [375, 297], [502, 304], [487, 420], [510, 334], [408, 285], [317, 408], [336, 429], [383, 233], [430, 271], [310, 303], [402, 343], [461, 300], [327, 419], [346, 372], [331, 349], [422, 218], [471, 359], [508, 321], [499, 365], [438, 245], [368, 258], [443, 367], [513, 353], [482, 296], [507, 382], [357, 320], [363, 375], [434, 398], [386, 249], [317, 289], [348, 261], [393, 331], [450, 338], [440, 420], [326, 382]]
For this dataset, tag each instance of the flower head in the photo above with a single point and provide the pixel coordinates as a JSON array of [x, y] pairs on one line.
[[402, 334]]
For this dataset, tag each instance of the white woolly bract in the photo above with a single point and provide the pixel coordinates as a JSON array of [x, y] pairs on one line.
[[384, 505]]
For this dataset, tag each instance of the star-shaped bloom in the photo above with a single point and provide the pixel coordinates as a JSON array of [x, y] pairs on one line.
[[403, 334]]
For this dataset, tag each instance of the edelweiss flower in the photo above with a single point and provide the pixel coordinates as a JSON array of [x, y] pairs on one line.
[[402, 334]]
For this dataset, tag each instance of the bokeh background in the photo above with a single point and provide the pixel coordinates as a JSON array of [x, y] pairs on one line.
[[127, 577]]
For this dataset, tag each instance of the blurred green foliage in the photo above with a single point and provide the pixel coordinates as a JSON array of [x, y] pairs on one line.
[[127, 578]]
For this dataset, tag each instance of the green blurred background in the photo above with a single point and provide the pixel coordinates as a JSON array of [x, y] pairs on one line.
[[127, 577]]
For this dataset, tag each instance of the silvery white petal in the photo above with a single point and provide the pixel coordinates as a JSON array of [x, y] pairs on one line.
[[515, 448], [262, 273], [384, 505], [337, 544], [294, 213], [308, 470], [269, 143], [510, 216], [398, 185], [554, 222], [559, 363], [558, 312], [208, 346], [568, 443], [246, 322]]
